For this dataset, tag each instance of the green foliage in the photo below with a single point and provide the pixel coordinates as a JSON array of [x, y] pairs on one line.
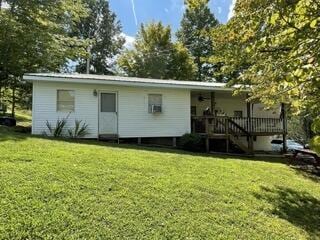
[[315, 142], [35, 36], [196, 26], [104, 31], [80, 129], [155, 56], [106, 191], [274, 47], [191, 142], [58, 130], [299, 129]]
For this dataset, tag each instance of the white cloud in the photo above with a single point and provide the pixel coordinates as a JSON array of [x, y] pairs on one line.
[[129, 41], [166, 10], [134, 12], [177, 5], [219, 10], [231, 9]]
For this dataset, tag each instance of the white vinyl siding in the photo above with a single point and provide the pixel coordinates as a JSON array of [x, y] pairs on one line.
[[133, 117]]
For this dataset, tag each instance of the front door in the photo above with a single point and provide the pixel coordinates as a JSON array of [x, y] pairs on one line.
[[108, 116]]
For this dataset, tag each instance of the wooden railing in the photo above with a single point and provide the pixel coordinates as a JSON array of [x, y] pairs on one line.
[[237, 126]]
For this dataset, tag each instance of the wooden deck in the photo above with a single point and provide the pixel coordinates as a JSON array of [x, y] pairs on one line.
[[232, 128]]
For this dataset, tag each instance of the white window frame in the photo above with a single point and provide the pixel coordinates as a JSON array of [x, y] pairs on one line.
[[60, 101]]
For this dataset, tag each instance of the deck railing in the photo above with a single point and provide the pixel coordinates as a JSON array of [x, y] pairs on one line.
[[237, 125]]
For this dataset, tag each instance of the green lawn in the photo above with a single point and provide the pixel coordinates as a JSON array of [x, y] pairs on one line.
[[54, 189]]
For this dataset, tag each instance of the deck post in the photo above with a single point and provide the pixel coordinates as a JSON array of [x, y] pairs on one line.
[[139, 140], [174, 142], [207, 125], [227, 134], [249, 125], [284, 123], [207, 144], [193, 121], [213, 103], [207, 135]]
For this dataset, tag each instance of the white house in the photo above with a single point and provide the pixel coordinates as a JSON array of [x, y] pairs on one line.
[[125, 107]]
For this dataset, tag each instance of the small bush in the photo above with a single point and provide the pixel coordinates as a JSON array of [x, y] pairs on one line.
[[80, 130], [192, 142], [58, 130]]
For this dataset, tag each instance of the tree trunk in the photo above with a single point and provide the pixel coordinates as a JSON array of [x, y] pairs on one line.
[[13, 104], [199, 66]]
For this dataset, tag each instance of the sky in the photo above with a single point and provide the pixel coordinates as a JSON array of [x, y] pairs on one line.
[[132, 13]]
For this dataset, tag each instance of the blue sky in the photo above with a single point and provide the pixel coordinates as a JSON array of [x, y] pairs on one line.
[[132, 13]]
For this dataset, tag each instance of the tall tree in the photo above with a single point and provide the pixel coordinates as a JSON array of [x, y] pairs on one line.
[[155, 56], [275, 45], [35, 36], [103, 29], [196, 25]]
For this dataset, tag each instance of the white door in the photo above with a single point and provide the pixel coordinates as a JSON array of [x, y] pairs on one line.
[[108, 116]]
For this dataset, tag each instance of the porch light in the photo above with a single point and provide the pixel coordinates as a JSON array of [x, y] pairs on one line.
[[95, 93]]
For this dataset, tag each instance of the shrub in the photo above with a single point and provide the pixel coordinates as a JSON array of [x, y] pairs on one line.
[[58, 130], [315, 142], [192, 142], [79, 130]]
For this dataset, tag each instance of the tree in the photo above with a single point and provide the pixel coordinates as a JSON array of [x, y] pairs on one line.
[[155, 56], [196, 25], [103, 29], [277, 49], [35, 36]]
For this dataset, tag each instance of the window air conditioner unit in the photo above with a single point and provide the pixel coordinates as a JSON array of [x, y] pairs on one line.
[[156, 108]]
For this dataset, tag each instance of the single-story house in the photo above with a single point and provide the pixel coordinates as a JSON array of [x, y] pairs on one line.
[[127, 108]]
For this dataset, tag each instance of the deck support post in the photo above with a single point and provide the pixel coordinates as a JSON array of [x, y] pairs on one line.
[[193, 130], [213, 104], [227, 134], [250, 137], [284, 123], [174, 142], [207, 144], [207, 135], [139, 141]]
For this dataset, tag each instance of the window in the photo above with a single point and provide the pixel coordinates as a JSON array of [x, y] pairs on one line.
[[108, 102], [238, 114], [65, 101], [155, 103]]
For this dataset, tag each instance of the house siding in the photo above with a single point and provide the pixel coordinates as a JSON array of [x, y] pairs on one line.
[[133, 117]]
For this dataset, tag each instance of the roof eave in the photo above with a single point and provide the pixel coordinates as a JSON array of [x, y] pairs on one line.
[[32, 78]]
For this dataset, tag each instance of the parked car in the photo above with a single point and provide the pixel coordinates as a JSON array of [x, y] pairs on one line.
[[277, 145]]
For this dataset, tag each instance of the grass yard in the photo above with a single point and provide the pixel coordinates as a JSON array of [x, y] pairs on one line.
[[54, 189]]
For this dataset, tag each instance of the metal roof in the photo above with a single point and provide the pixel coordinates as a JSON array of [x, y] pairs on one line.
[[126, 81]]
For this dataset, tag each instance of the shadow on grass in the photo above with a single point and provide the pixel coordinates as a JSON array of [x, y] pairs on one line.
[[298, 207], [7, 134], [308, 171]]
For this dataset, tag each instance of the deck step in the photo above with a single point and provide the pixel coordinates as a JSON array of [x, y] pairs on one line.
[[240, 144]]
